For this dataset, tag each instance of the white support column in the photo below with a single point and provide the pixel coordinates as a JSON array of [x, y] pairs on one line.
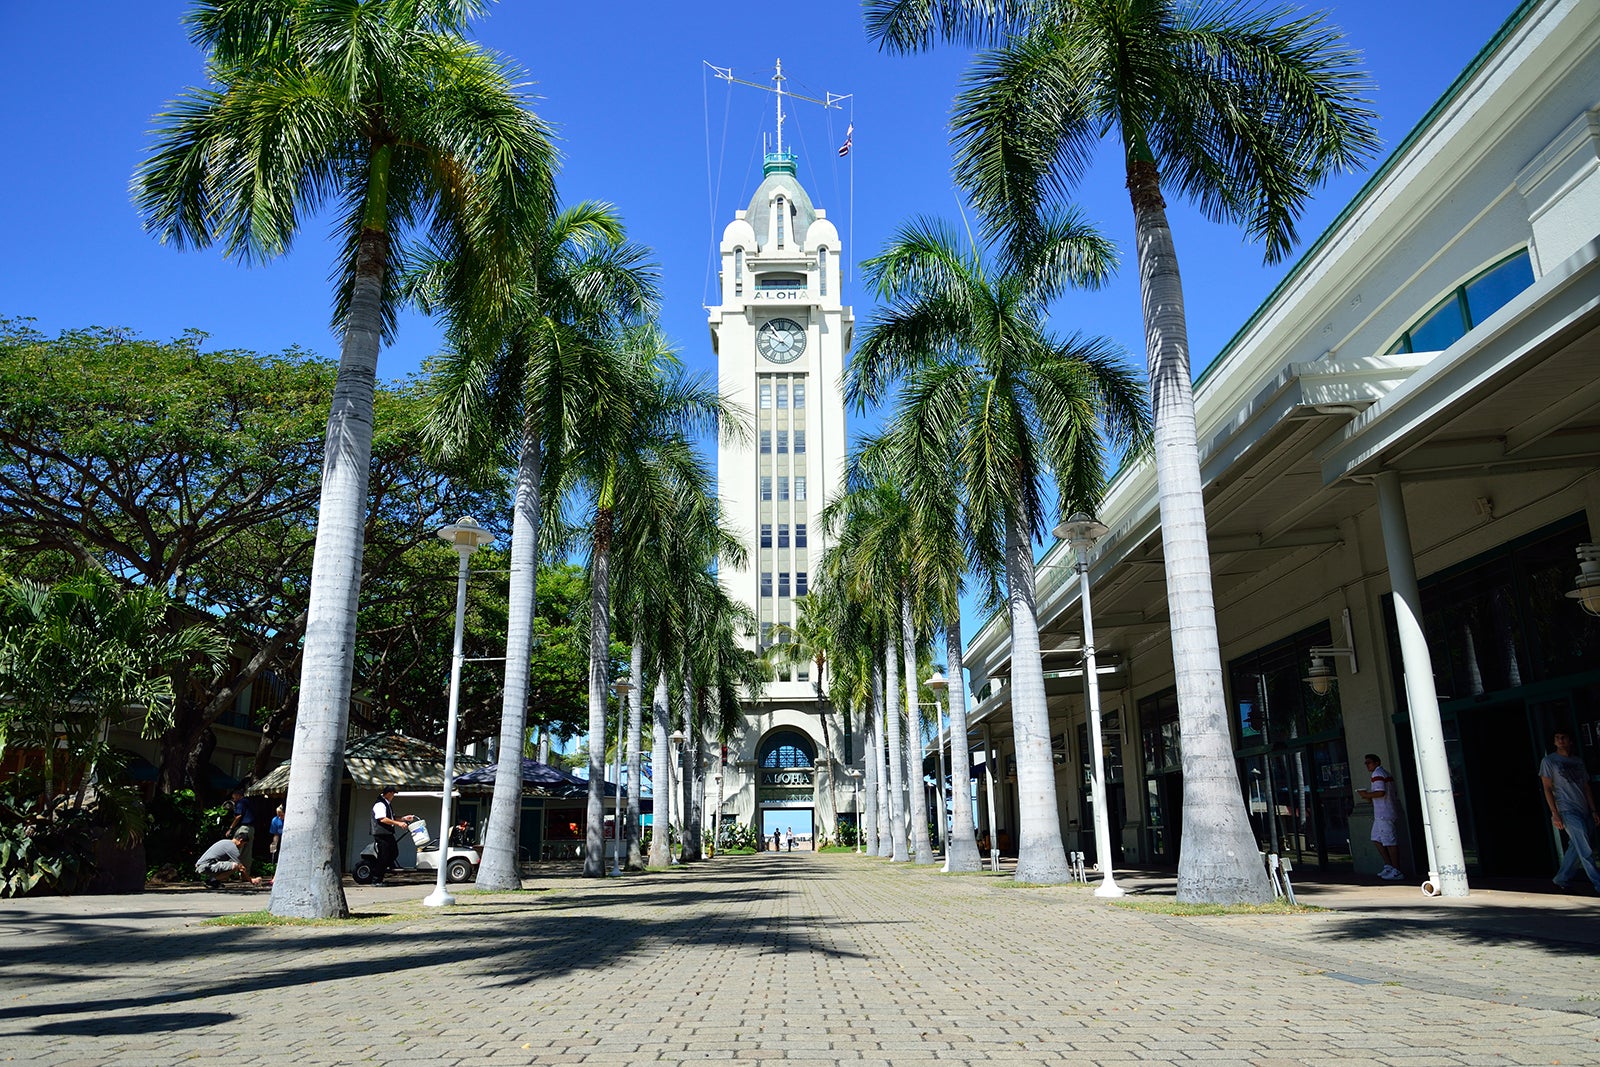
[[1449, 873]]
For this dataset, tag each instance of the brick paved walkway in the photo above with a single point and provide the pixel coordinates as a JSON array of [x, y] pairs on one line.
[[805, 959]]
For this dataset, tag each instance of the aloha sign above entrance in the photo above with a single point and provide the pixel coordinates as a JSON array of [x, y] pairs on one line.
[[788, 778], [791, 787]]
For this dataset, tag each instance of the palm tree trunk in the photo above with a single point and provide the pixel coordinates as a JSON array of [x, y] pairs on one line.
[[500, 869], [880, 755], [661, 776], [921, 846], [635, 757], [594, 860], [963, 844], [1041, 857], [686, 787], [871, 760], [1218, 862], [897, 762], [307, 884]]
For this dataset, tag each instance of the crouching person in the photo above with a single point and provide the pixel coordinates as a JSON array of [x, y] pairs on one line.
[[221, 861]]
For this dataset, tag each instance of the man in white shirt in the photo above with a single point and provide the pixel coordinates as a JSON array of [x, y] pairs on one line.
[[1385, 835], [384, 825], [1570, 798]]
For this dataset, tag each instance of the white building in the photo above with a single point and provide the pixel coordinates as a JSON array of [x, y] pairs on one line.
[[1433, 357], [781, 334]]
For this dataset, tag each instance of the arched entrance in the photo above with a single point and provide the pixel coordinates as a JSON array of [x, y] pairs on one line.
[[786, 788]]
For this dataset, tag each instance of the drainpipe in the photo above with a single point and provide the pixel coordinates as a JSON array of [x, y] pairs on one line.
[[1447, 874]]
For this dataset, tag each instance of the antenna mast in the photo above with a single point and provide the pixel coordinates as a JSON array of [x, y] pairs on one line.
[[828, 100]]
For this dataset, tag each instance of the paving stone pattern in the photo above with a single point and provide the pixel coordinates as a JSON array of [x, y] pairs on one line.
[[804, 959]]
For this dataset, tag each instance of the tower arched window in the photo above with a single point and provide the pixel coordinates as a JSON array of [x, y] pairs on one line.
[[784, 749], [738, 272], [781, 215], [822, 271]]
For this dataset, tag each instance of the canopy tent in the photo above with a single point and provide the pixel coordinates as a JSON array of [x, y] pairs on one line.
[[377, 760]]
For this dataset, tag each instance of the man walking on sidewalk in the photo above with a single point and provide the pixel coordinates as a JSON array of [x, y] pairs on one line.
[[1571, 801]]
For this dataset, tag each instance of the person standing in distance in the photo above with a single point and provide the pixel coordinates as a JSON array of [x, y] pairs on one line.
[[384, 827], [244, 824], [1571, 802], [1384, 833]]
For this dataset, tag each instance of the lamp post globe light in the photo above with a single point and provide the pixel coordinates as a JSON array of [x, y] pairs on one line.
[[466, 536], [623, 688], [1081, 531]]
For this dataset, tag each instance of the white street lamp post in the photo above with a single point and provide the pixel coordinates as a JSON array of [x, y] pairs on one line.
[[855, 774], [1081, 531], [675, 754], [623, 688], [939, 684], [467, 537]]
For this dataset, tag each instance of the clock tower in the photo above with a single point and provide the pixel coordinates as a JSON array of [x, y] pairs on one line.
[[781, 335]]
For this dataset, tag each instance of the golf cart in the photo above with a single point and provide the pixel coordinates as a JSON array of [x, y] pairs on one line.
[[461, 864]]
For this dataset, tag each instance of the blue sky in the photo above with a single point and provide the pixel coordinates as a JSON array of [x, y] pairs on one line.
[[641, 125]]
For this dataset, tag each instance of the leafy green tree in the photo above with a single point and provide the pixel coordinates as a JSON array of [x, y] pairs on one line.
[[386, 109], [76, 657], [172, 467], [1243, 110], [992, 395]]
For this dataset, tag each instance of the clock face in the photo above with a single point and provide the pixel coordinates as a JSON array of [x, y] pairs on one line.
[[781, 340]]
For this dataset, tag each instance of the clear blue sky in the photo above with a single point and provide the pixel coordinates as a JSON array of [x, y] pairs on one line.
[[625, 84]]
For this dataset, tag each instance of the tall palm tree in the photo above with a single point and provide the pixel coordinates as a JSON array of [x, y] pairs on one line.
[[1019, 408], [1243, 110], [387, 110], [516, 379], [633, 442], [868, 524], [940, 562], [805, 642]]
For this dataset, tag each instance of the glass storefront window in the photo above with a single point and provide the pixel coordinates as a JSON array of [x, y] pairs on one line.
[[1292, 761]]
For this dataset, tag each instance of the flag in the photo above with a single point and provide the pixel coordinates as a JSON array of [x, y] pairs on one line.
[[844, 149]]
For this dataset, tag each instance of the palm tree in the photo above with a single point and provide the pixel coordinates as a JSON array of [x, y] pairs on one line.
[[986, 383], [868, 524], [806, 642], [940, 563], [383, 108], [518, 377], [1244, 110], [633, 441]]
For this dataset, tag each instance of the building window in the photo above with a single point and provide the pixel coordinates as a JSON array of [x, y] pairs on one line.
[[799, 487], [1467, 305], [783, 535], [799, 583], [766, 583], [766, 395], [799, 394], [783, 583], [738, 272], [783, 440], [822, 271], [766, 535], [766, 487], [780, 214], [766, 441], [799, 535], [783, 486], [783, 395], [766, 635], [799, 442]]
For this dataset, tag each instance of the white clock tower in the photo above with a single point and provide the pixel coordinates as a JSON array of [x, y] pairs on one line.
[[781, 335]]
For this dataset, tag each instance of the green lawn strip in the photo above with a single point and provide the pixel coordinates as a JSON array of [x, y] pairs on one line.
[[1168, 906]]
